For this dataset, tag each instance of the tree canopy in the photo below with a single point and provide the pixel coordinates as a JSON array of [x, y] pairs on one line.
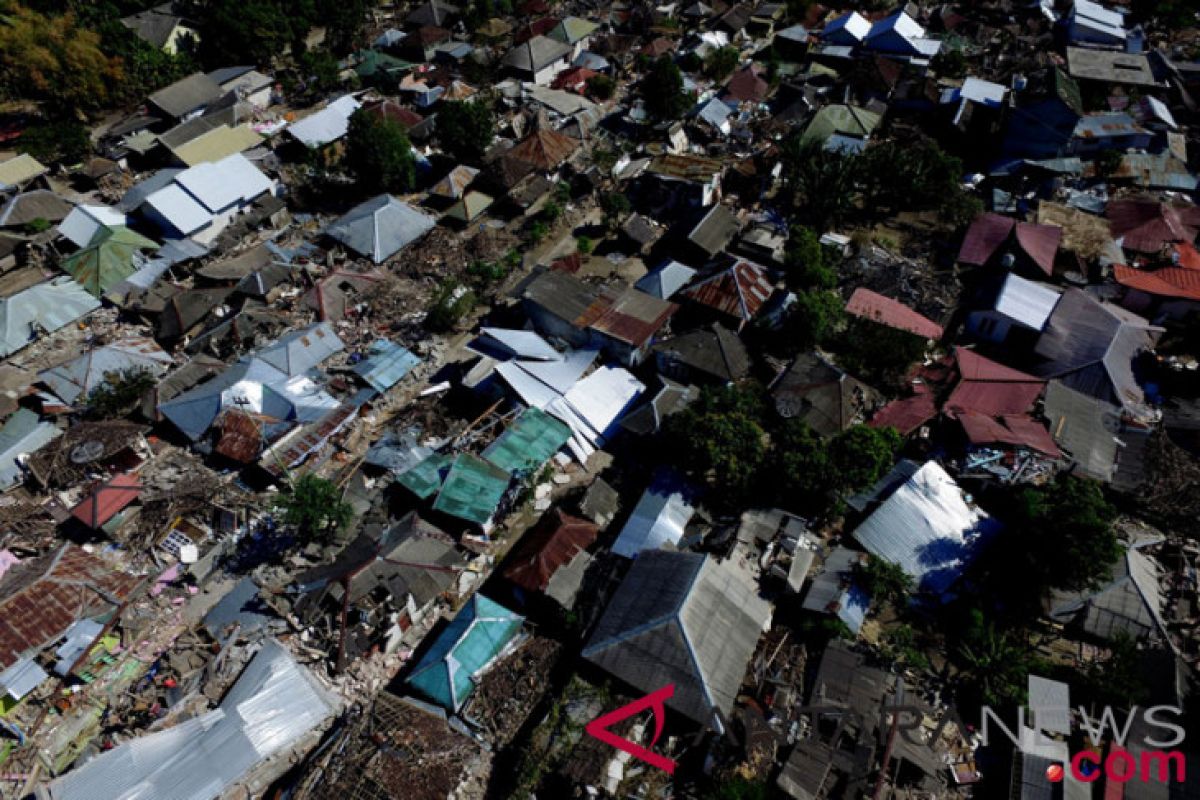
[[721, 438], [378, 153], [465, 128], [662, 90], [315, 508]]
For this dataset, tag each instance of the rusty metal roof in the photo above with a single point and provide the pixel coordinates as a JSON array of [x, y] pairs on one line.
[[739, 291], [633, 317]]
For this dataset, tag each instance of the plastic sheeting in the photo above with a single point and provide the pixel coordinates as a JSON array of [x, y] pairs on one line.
[[273, 704]]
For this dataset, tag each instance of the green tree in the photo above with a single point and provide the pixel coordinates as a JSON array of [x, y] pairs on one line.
[[911, 174], [615, 205], [662, 90], [601, 87], [315, 508], [822, 186], [884, 581], [378, 153], [254, 31], [861, 455], [1118, 680], [997, 666], [950, 62], [721, 62], [812, 319], [321, 71], [804, 261], [801, 473], [583, 244], [1064, 535], [879, 354], [57, 140], [720, 437], [53, 60], [449, 305], [119, 393], [465, 128]]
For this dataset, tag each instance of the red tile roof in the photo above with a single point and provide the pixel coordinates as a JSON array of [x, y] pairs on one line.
[[1147, 226], [739, 291], [877, 308], [989, 232], [1181, 282], [107, 500], [40, 599], [548, 546], [391, 110]]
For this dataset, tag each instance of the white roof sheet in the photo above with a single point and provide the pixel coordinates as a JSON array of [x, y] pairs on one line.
[[658, 519], [51, 305], [522, 344], [327, 125], [1050, 705], [272, 705], [853, 23], [901, 23], [180, 209], [22, 678], [597, 401], [82, 223], [221, 184], [1027, 302], [926, 528], [1096, 16]]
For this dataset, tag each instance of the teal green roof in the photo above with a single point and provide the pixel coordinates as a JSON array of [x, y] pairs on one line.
[[426, 477], [373, 61], [843, 119], [469, 644], [107, 260], [473, 489], [528, 443]]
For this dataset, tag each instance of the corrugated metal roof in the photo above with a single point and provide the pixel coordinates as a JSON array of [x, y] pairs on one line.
[[385, 365], [327, 125], [272, 705], [927, 529], [877, 308], [107, 500], [381, 227], [681, 619], [633, 317], [593, 405], [1166, 282], [184, 213], [43, 597], [297, 352], [551, 544], [528, 443], [833, 591], [22, 433], [427, 476], [112, 256], [222, 184], [664, 281], [217, 144], [473, 489], [468, 645], [658, 519], [23, 167], [48, 306], [1027, 302], [81, 375], [739, 291]]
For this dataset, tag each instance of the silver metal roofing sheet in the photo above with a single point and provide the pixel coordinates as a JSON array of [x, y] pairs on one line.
[[50, 305]]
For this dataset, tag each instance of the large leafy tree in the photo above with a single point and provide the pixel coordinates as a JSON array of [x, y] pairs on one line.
[[805, 263], [465, 128], [315, 508], [879, 354], [823, 186], [378, 153], [254, 31], [720, 439], [662, 90], [52, 59]]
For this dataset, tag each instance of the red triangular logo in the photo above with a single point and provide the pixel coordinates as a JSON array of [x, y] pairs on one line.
[[599, 728]]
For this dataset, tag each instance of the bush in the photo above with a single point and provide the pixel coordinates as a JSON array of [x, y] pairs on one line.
[[57, 141], [601, 87], [884, 581], [615, 205], [536, 232], [805, 262], [584, 245], [721, 62], [119, 393], [450, 304]]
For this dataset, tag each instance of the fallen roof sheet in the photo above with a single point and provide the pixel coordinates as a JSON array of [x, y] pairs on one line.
[[528, 443], [327, 125], [873, 306], [272, 705], [659, 518], [45, 307], [385, 365], [473, 489]]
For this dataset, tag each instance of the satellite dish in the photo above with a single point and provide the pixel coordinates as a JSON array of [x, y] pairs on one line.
[[84, 452]]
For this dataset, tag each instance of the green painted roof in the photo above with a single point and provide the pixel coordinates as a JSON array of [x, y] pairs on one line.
[[107, 260], [528, 443], [843, 119], [426, 478], [373, 61], [473, 489], [465, 648]]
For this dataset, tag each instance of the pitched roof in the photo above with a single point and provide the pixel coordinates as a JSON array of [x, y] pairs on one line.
[[40, 598], [1090, 346], [747, 86], [537, 54], [218, 143], [1180, 282], [990, 388], [528, 443], [873, 306], [326, 125], [24, 208], [19, 169], [155, 25], [989, 232], [659, 518], [467, 646], [1130, 604], [473, 489], [681, 619], [1148, 225], [826, 398], [550, 545], [665, 280], [927, 528], [1018, 430], [715, 351], [455, 184], [80, 375], [906, 414], [45, 307], [632, 317], [186, 95], [739, 291], [544, 149], [107, 500], [715, 229], [381, 227], [108, 259]]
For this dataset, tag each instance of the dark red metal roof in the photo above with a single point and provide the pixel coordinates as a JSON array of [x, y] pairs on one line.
[[551, 544], [1147, 225], [1017, 430], [877, 308], [990, 388], [906, 415], [1178, 282], [989, 232], [739, 291]]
